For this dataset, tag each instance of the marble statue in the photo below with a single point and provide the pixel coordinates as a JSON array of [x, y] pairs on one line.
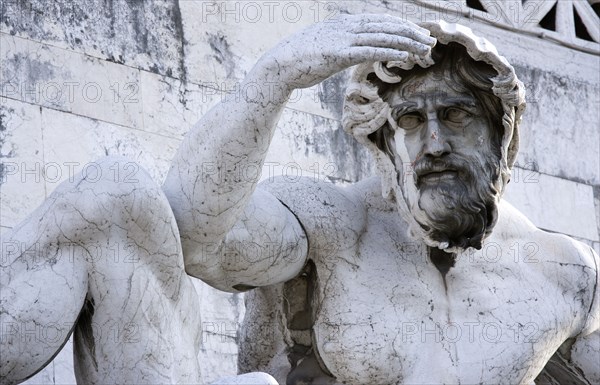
[[386, 281], [421, 275]]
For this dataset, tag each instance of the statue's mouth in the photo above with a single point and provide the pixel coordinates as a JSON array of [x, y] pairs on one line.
[[436, 176]]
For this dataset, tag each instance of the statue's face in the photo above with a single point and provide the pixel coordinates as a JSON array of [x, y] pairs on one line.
[[442, 144]]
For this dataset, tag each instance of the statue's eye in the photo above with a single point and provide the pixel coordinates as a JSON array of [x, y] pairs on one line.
[[456, 115], [410, 121]]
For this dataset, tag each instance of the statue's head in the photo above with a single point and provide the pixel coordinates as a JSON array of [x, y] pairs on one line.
[[443, 130]]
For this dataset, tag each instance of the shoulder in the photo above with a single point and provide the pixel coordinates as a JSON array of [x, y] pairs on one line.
[[330, 214], [567, 264], [512, 224]]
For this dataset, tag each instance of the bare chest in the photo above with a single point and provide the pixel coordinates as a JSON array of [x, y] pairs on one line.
[[387, 315]]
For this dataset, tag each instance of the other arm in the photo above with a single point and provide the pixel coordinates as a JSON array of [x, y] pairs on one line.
[[577, 361], [585, 352]]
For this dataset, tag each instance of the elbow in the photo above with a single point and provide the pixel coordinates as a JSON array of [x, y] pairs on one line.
[[215, 276]]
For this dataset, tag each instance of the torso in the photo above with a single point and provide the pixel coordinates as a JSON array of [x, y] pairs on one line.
[[383, 313], [393, 321]]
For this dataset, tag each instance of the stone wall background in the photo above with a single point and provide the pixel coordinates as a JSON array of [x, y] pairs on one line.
[[83, 79]]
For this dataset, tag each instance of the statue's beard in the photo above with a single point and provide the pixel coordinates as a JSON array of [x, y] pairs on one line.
[[460, 209]]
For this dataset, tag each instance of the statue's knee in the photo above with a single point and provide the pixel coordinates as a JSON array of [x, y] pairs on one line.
[[117, 187], [117, 171], [114, 177]]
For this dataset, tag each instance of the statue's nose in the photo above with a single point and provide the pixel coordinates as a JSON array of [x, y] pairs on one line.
[[435, 141]]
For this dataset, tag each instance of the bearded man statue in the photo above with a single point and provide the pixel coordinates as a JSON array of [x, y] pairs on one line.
[[384, 281]]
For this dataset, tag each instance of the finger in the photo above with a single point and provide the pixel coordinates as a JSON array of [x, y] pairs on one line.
[[397, 29], [357, 55], [382, 40], [384, 18]]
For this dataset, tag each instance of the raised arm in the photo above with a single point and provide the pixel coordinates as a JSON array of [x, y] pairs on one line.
[[207, 186]]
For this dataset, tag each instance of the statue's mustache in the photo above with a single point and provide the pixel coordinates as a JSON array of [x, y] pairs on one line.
[[465, 168]]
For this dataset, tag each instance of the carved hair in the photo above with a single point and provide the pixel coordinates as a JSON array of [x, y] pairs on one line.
[[365, 111]]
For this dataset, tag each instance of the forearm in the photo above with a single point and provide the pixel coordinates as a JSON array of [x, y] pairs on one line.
[[216, 168]]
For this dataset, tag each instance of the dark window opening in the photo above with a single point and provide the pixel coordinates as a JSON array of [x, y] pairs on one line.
[[596, 8], [475, 4], [549, 21], [580, 28]]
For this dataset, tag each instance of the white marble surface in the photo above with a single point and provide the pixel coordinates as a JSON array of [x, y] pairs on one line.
[[530, 190], [225, 40], [172, 107], [146, 35], [102, 256], [85, 136], [477, 328], [44, 75], [22, 151], [247, 40], [87, 243], [546, 134]]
